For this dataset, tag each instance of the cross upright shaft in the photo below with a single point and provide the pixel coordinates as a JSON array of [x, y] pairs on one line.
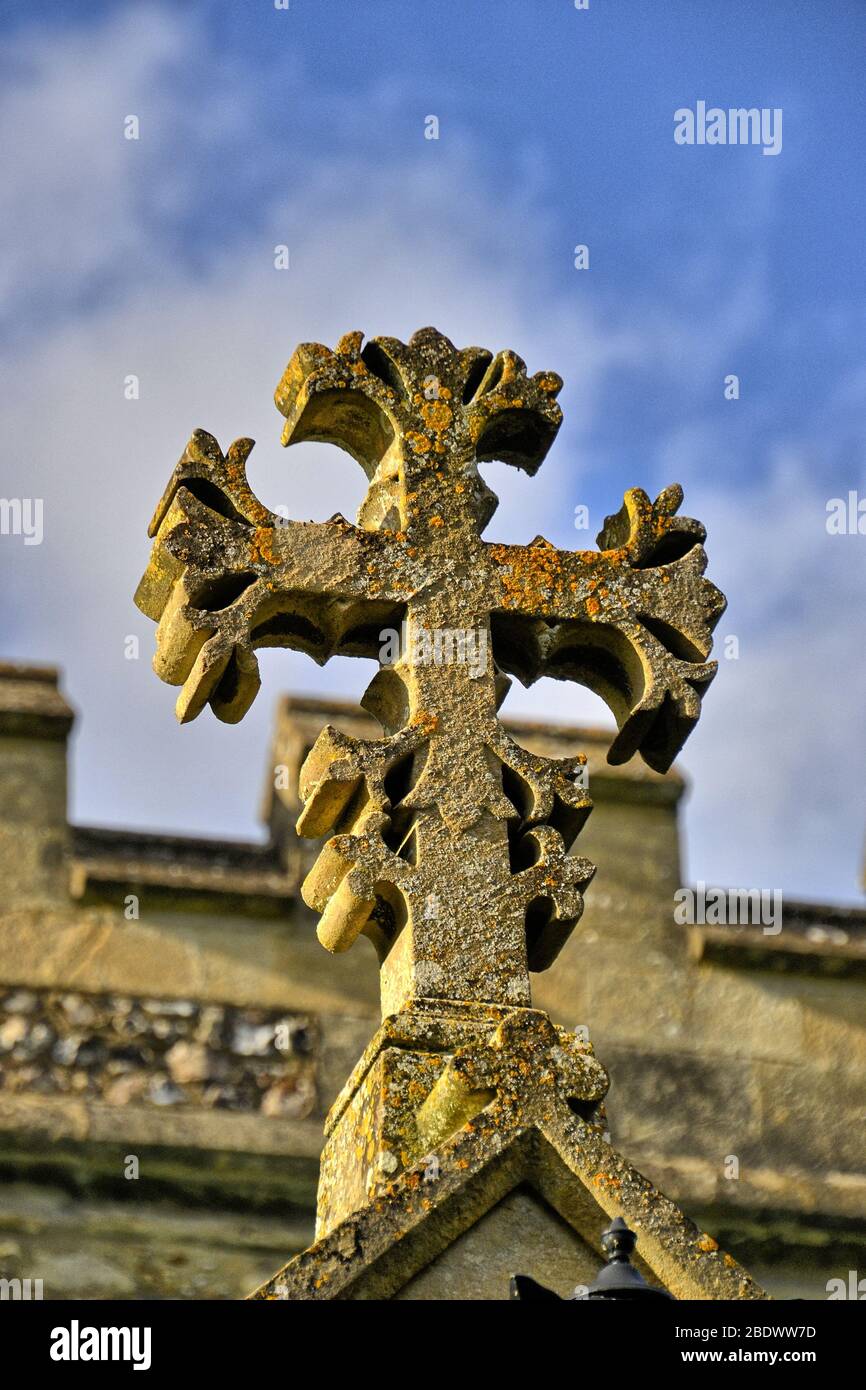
[[449, 842]]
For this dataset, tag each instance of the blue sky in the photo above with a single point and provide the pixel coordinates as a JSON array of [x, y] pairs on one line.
[[306, 127]]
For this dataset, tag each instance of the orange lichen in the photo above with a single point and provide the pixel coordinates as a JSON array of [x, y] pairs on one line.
[[262, 543], [437, 415], [606, 1180], [419, 442], [530, 576]]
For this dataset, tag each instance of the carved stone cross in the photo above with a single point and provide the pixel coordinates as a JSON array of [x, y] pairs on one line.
[[449, 842]]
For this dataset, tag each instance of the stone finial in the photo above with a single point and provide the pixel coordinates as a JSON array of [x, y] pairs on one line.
[[449, 842], [446, 842]]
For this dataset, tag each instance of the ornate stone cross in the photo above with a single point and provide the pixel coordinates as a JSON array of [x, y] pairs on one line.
[[449, 842]]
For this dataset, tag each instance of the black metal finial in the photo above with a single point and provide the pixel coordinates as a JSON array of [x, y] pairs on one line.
[[617, 1280], [618, 1242]]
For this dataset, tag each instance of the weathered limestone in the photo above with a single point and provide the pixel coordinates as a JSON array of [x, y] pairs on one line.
[[450, 842], [704, 1056], [35, 721], [429, 1070], [517, 1141], [421, 852]]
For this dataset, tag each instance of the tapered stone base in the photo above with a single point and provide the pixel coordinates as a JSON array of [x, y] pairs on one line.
[[469, 1143], [426, 1073]]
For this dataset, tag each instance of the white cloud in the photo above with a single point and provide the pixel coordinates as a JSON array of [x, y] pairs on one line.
[[778, 763], [208, 351], [75, 216], [385, 248]]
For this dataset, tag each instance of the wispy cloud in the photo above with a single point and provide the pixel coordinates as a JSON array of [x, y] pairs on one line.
[[156, 258]]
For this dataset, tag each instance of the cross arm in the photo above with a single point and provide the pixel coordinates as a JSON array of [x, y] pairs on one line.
[[633, 621], [226, 576]]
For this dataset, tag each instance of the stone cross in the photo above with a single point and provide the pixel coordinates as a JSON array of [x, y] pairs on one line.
[[448, 842]]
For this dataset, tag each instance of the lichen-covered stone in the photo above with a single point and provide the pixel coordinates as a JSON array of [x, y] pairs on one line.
[[449, 843], [429, 1069], [517, 1112]]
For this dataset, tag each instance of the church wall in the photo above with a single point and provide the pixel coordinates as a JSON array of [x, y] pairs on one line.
[[713, 1058]]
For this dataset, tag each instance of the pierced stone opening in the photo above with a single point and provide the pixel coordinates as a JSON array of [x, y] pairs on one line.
[[586, 1110], [492, 375], [351, 421], [515, 645], [518, 791], [476, 375], [598, 658], [409, 848], [362, 640], [399, 781], [218, 594], [523, 850], [593, 666], [674, 545], [206, 492], [670, 637], [289, 630], [566, 819], [380, 364], [539, 914], [519, 437], [360, 623], [601, 659]]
